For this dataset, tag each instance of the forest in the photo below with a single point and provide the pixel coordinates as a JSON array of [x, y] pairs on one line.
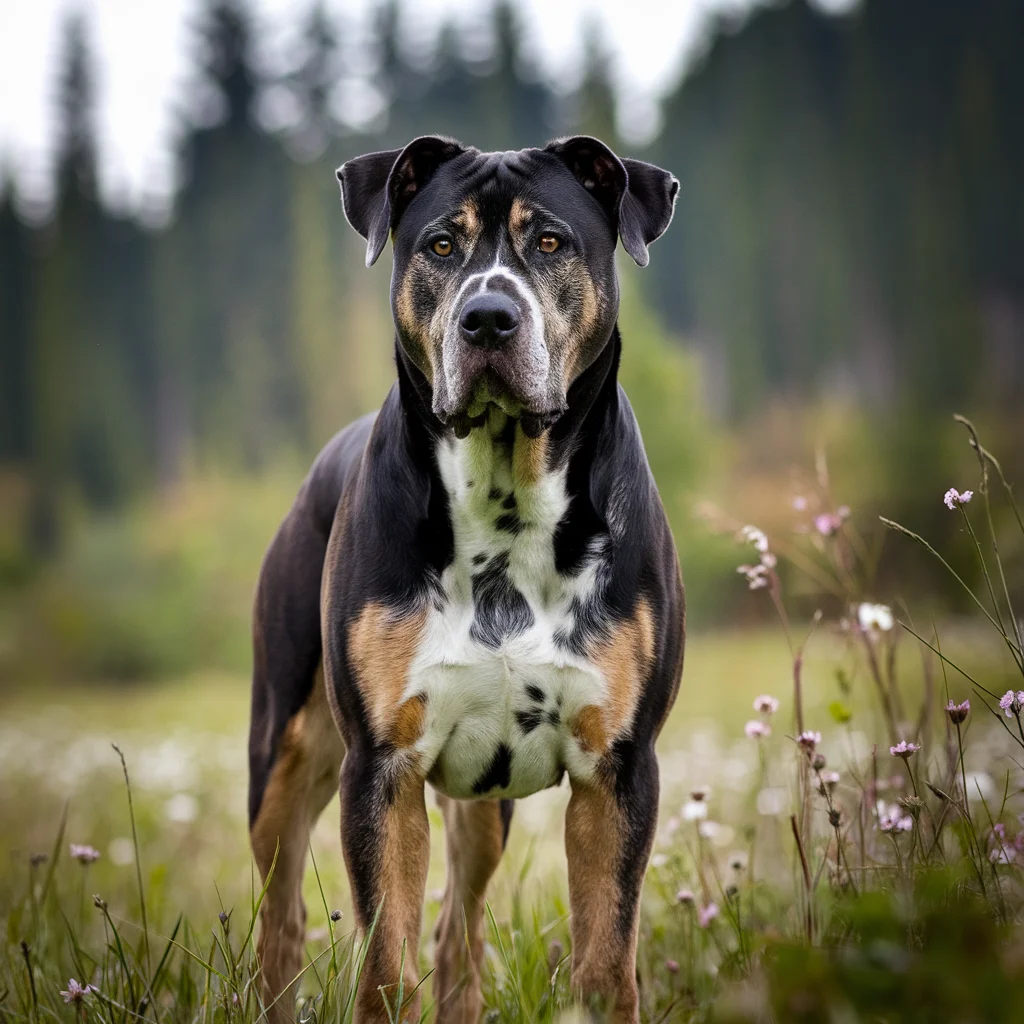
[[846, 250]]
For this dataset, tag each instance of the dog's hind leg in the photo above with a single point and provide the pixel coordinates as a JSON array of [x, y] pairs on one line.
[[301, 781], [475, 833]]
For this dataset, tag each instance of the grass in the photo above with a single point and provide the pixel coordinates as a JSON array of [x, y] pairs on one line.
[[184, 745]]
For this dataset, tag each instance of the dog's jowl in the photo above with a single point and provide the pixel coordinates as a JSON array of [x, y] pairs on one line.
[[476, 588]]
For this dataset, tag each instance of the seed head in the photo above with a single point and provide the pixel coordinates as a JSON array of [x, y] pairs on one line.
[[818, 761], [834, 817], [99, 902], [808, 740], [685, 897], [335, 915]]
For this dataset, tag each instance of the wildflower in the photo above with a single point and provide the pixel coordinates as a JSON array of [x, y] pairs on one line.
[[685, 897], [335, 915], [555, 953], [75, 993], [765, 704], [700, 793], [799, 503], [827, 523], [223, 917], [707, 914], [38, 859], [731, 892], [829, 781], [756, 575], [737, 860], [904, 749], [672, 966], [694, 810], [808, 740], [84, 854], [768, 560], [818, 762], [892, 820], [99, 902], [752, 535], [958, 712], [757, 729], [953, 497], [834, 817], [875, 616], [1012, 703]]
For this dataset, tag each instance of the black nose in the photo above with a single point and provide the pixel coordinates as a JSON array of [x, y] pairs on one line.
[[489, 320]]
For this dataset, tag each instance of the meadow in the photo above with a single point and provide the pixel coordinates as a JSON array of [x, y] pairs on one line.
[[807, 866]]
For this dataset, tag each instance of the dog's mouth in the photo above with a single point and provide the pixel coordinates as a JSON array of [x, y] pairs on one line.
[[492, 396]]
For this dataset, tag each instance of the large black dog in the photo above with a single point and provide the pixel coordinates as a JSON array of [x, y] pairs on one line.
[[476, 586]]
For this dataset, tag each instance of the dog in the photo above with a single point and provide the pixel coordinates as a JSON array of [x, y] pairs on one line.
[[476, 587]]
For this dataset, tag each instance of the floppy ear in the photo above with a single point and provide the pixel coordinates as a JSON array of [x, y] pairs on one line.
[[638, 196], [376, 188]]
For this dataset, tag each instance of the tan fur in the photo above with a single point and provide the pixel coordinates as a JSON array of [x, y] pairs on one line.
[[529, 458], [409, 718], [401, 879], [473, 833], [601, 957], [588, 728], [405, 312], [519, 216], [381, 644], [302, 781], [625, 659], [467, 220]]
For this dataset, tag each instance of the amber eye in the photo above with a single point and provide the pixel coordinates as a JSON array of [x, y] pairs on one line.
[[547, 243], [443, 247]]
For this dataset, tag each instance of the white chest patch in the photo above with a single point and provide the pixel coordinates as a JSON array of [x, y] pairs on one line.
[[502, 682]]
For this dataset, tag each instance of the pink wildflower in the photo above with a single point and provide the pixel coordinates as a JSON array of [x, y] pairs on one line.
[[808, 740], [953, 497], [75, 993], [829, 781], [672, 966], [827, 523], [757, 729], [765, 704], [893, 820], [958, 712], [1012, 703], [84, 854], [707, 914], [685, 897], [904, 749]]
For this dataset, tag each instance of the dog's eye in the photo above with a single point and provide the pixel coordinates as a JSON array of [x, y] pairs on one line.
[[547, 243], [443, 247]]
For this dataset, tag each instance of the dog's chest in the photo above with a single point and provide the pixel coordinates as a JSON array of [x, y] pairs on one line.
[[503, 680]]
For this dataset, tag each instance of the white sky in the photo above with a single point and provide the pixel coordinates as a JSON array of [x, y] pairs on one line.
[[144, 65]]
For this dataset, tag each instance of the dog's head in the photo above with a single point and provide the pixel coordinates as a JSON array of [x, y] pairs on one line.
[[504, 288]]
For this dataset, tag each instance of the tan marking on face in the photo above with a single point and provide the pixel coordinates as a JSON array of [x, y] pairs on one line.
[[408, 724], [624, 659], [529, 458], [519, 217], [405, 313], [467, 220], [381, 644], [603, 960], [588, 729]]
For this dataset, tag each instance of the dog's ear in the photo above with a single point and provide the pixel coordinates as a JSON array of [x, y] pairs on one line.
[[639, 197], [376, 188]]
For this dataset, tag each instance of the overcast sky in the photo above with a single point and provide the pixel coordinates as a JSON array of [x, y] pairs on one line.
[[144, 65]]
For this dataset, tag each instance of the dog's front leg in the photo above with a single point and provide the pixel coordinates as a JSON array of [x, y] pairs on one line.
[[609, 828], [386, 840]]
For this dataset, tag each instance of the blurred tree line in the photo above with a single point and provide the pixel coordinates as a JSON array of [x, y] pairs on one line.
[[850, 221]]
